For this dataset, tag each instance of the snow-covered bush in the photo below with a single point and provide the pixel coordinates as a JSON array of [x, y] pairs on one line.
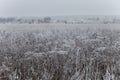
[[60, 54]]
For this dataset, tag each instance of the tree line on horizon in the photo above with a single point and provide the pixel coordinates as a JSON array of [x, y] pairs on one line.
[[88, 20]]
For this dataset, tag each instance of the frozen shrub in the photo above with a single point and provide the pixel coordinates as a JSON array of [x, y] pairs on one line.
[[60, 54]]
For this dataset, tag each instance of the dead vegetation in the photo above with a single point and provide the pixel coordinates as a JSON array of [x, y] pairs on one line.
[[60, 55]]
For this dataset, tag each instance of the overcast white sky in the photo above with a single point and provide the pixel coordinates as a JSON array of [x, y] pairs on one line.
[[58, 7]]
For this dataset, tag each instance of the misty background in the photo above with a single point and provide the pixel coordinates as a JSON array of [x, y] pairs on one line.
[[22, 8]]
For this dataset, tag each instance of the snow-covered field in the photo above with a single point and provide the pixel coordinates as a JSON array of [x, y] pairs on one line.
[[60, 52], [54, 26]]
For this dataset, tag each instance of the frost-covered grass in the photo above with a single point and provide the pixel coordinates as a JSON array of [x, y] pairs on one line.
[[59, 53]]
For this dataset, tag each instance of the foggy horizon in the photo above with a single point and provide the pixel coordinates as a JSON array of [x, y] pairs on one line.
[[21, 8]]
